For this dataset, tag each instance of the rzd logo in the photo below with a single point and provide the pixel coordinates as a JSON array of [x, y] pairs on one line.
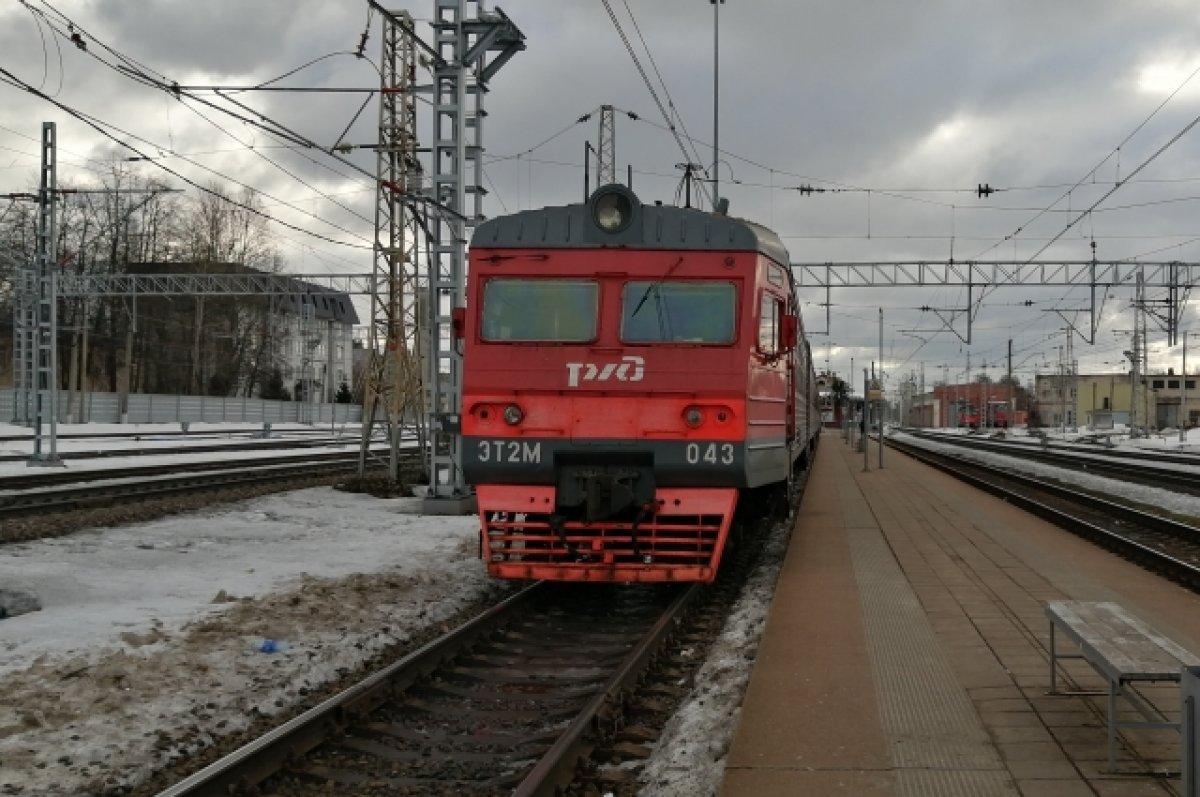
[[629, 369]]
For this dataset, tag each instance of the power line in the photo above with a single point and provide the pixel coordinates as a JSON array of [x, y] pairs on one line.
[[141, 73], [650, 87], [273, 163], [695, 156], [1118, 185], [137, 71], [295, 177], [98, 126], [1091, 173]]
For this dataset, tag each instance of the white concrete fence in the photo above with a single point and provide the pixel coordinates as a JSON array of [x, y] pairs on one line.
[[157, 408]]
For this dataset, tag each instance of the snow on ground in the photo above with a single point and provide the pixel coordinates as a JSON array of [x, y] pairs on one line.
[[142, 437], [145, 625]]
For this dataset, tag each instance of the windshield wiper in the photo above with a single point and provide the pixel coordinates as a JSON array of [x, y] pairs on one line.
[[653, 288]]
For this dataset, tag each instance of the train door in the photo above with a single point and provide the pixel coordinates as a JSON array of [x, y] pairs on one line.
[[772, 323], [779, 323], [792, 388]]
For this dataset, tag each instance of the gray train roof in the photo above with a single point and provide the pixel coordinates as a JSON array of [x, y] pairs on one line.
[[653, 227]]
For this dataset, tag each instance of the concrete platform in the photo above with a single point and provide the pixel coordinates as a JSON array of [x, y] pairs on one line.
[[906, 649]]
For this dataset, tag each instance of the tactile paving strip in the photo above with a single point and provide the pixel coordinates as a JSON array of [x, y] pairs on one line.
[[938, 745]]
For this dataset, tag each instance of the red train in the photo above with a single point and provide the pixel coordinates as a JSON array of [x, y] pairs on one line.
[[632, 374], [996, 418]]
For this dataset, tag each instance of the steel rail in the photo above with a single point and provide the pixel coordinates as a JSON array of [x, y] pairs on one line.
[[53, 478], [196, 448], [79, 492], [1094, 462], [280, 750], [555, 770], [248, 766]]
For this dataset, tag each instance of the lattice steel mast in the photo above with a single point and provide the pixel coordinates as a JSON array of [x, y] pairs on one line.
[[392, 389], [415, 359], [45, 306], [463, 43], [606, 155]]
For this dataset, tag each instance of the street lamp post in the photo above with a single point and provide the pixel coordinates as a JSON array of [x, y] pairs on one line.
[[850, 404], [1183, 413], [716, 177]]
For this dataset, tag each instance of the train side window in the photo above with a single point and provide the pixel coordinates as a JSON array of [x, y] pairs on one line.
[[768, 325], [537, 311], [678, 312]]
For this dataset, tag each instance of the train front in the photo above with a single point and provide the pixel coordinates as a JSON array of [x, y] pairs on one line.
[[604, 389]]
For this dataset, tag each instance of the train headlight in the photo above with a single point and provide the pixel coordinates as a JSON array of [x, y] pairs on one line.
[[693, 416], [612, 211], [513, 415]]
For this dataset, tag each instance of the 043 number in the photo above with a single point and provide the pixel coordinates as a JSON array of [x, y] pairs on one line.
[[710, 454]]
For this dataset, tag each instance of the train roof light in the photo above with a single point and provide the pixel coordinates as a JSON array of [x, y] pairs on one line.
[[612, 209]]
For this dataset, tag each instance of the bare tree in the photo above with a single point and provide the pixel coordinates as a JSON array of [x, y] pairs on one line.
[[134, 224], [225, 345]]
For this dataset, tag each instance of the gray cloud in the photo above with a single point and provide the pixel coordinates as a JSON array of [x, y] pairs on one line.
[[897, 98]]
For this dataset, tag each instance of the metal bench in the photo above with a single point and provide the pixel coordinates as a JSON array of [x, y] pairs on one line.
[[1124, 650]]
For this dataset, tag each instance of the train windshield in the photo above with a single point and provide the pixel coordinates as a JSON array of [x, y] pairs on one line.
[[678, 312], [555, 311]]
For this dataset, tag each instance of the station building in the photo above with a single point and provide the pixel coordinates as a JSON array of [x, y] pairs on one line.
[[1101, 401]]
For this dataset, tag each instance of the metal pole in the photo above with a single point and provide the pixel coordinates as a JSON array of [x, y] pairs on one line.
[[45, 384], [1190, 691], [1183, 394], [1012, 402], [866, 421], [968, 377], [850, 397], [883, 406], [1062, 394], [716, 100]]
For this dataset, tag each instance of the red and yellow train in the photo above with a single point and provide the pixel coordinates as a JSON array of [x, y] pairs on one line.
[[632, 375]]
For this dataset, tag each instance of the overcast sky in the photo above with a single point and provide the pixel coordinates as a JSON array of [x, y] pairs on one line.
[[904, 107]]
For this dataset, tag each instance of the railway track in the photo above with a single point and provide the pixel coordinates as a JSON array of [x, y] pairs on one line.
[[55, 491], [1161, 544], [108, 449], [561, 689], [507, 704], [1155, 470]]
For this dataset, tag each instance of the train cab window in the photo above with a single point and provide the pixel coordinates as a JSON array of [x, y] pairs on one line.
[[678, 312], [768, 325], [551, 311]]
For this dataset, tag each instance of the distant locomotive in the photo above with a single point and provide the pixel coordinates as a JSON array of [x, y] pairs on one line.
[[632, 374], [996, 416]]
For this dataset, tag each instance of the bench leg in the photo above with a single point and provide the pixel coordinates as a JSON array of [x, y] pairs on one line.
[[1053, 663], [1113, 690]]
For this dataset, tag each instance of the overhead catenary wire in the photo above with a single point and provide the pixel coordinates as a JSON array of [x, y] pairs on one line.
[[1115, 151], [1117, 185], [230, 179], [37, 18], [99, 127], [131, 68], [650, 87], [695, 154], [295, 177]]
